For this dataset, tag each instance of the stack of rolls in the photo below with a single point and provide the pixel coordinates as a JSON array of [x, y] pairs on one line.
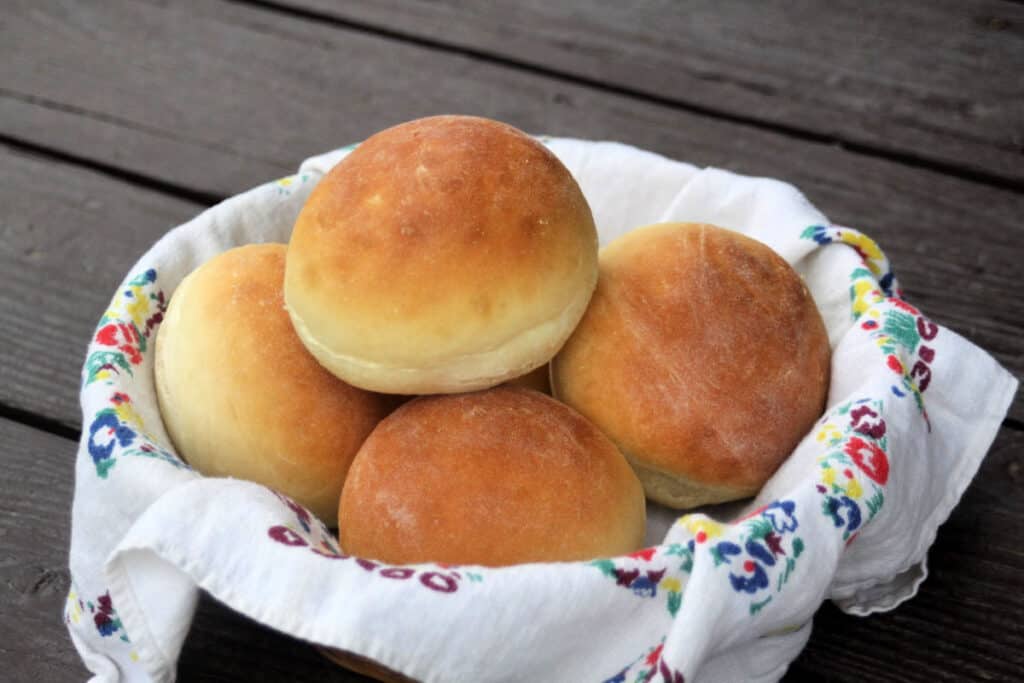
[[455, 259]]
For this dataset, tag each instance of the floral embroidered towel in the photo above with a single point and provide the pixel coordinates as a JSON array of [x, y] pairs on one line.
[[849, 517]]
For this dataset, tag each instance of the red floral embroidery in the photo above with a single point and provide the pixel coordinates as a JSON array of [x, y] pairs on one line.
[[124, 337], [107, 335], [903, 305], [869, 458], [646, 554]]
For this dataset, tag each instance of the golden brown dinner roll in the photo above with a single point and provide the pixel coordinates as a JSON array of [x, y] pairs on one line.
[[702, 356], [496, 477], [446, 254], [240, 395]]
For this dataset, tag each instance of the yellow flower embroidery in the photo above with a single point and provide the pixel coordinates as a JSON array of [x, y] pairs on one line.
[[870, 249], [671, 584], [126, 413], [828, 477], [865, 294], [138, 307], [696, 524], [828, 432], [74, 612]]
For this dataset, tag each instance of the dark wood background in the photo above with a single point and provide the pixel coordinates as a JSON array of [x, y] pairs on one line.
[[119, 120]]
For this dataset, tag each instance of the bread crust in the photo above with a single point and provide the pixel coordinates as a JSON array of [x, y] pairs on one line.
[[239, 394], [702, 356], [445, 254], [497, 477]]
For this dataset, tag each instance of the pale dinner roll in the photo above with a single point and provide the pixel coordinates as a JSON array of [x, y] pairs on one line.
[[239, 394], [493, 478], [443, 255], [702, 356]]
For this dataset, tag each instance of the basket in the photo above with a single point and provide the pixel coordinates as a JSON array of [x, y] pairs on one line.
[[724, 596]]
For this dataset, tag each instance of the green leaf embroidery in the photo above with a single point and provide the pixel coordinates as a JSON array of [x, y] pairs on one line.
[[759, 528], [756, 607], [674, 601], [103, 467], [101, 360], [902, 327]]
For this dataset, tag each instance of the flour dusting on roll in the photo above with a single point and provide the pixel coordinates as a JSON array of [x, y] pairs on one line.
[[496, 477], [702, 356]]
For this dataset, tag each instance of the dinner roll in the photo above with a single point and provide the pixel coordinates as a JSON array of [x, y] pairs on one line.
[[702, 356], [494, 478], [239, 394], [443, 255]]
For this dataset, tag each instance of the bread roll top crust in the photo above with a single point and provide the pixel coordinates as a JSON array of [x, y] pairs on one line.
[[702, 355], [439, 238], [498, 477]]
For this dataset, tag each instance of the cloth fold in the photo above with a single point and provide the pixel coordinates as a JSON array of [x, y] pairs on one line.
[[850, 515]]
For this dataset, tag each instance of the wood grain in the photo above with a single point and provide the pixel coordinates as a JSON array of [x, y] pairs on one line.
[[928, 81], [36, 482], [67, 238], [281, 82], [966, 612]]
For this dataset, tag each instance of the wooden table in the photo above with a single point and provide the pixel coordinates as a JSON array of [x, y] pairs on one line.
[[119, 120]]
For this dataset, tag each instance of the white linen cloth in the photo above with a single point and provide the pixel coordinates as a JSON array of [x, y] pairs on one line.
[[912, 410]]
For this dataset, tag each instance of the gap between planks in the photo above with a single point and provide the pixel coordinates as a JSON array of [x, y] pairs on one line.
[[40, 422], [115, 172], [793, 132]]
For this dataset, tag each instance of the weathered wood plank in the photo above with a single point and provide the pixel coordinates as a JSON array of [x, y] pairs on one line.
[[35, 511], [287, 87], [67, 239], [964, 624], [936, 81]]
